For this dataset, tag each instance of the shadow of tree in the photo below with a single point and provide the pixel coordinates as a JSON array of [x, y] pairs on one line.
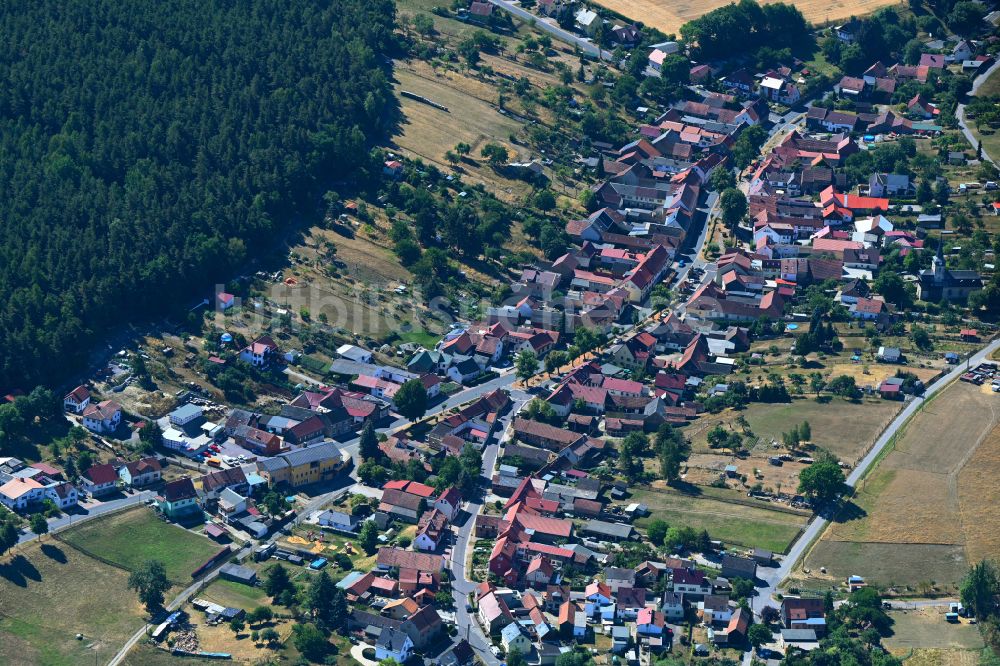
[[53, 552], [849, 511], [19, 571]]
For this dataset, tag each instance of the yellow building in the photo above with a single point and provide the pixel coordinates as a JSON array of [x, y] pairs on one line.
[[312, 464]]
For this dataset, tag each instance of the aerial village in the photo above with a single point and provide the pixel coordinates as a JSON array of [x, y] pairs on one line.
[[485, 498]]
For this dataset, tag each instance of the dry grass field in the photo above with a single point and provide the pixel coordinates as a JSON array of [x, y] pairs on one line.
[[49, 593], [888, 564], [846, 429], [923, 513], [132, 537], [978, 497], [925, 628], [471, 117], [669, 16], [731, 522]]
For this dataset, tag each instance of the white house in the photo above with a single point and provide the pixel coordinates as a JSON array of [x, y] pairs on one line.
[[64, 495], [19, 493], [431, 530], [77, 400], [715, 609], [337, 520], [141, 472], [231, 504], [260, 352], [393, 644], [779, 90], [449, 503], [99, 480], [103, 417], [587, 20], [463, 369], [673, 606], [871, 230]]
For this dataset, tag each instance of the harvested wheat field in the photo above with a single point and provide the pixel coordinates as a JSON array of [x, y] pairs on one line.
[[932, 492], [669, 16], [978, 497]]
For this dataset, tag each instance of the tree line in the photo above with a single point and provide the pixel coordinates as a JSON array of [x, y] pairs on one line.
[[739, 29], [148, 148]]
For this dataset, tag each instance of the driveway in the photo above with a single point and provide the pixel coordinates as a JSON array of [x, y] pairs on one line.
[[358, 652]]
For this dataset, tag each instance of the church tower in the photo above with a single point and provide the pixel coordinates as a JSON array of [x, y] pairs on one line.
[[939, 265]]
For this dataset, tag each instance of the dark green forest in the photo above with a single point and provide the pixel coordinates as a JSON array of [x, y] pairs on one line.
[[148, 147]]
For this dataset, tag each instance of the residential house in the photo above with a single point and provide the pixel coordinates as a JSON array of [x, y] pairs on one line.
[[423, 627], [463, 369], [337, 520], [19, 493], [889, 354], [63, 494], [690, 582], [587, 20], [779, 90], [233, 478], [596, 595], [402, 505], [673, 606], [141, 472], [393, 644], [716, 609], [740, 81], [103, 417], [650, 622], [178, 499], [619, 577], [461, 653], [99, 480], [431, 530], [803, 613], [512, 638], [449, 503], [493, 613], [260, 352], [539, 572], [77, 400], [311, 464]]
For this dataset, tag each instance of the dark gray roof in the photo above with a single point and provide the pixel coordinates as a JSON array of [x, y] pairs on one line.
[[237, 572], [309, 454], [603, 528], [391, 639]]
